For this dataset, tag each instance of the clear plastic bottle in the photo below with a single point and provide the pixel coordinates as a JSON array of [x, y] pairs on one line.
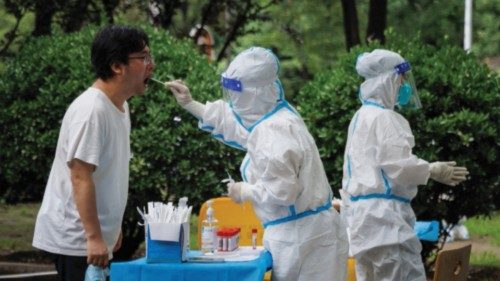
[[209, 231]]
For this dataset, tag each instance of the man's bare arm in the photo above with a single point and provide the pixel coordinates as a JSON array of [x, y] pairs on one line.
[[84, 194]]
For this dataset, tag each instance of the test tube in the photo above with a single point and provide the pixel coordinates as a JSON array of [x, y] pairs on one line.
[[254, 238]]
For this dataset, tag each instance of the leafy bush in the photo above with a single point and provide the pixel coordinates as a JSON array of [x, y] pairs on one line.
[[458, 121], [171, 157]]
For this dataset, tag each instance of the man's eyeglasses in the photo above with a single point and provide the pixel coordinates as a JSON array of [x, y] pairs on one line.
[[146, 59]]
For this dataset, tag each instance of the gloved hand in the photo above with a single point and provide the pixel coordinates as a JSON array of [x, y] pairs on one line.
[[447, 172], [180, 91], [234, 191]]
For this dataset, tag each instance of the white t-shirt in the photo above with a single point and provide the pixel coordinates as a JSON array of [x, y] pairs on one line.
[[97, 132]]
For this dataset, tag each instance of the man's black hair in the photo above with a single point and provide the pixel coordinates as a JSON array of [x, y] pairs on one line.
[[113, 44]]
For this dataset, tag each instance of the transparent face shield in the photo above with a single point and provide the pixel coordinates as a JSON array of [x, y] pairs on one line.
[[230, 86], [407, 95]]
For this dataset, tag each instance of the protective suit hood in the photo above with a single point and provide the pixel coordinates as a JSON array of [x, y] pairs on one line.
[[252, 84], [381, 80]]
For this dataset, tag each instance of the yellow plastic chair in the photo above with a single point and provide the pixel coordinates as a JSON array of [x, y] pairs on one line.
[[231, 214], [452, 262]]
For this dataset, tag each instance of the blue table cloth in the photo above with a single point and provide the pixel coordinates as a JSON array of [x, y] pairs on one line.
[[139, 270]]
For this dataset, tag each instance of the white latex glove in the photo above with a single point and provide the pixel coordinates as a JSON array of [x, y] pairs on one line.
[[234, 191], [447, 172], [184, 99], [180, 91]]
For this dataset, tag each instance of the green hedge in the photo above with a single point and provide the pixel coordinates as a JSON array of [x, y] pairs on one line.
[[459, 121], [171, 158]]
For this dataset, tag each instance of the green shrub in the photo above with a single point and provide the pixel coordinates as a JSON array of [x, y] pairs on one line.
[[170, 157], [458, 121]]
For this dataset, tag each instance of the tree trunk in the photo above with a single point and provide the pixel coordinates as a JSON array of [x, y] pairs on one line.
[[351, 30], [109, 8], [245, 11], [9, 37], [75, 15], [44, 11], [239, 22], [377, 19], [167, 12]]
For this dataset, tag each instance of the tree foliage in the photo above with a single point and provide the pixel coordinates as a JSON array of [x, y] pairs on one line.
[[458, 121], [307, 33], [306, 39], [442, 22], [227, 18]]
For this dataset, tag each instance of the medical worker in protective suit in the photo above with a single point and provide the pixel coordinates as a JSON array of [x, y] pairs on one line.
[[282, 172], [381, 174]]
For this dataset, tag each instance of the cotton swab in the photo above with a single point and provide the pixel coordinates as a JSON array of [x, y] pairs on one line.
[[157, 81]]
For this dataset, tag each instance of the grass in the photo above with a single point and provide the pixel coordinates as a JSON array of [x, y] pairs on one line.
[[485, 228], [488, 230], [17, 223], [16, 227], [485, 259]]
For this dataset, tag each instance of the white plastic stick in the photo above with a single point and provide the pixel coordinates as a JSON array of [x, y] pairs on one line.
[[157, 81]]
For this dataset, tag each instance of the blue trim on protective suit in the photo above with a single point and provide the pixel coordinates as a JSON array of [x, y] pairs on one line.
[[238, 118], [243, 170], [349, 166], [380, 196], [355, 123], [220, 137], [281, 102], [387, 195], [304, 214], [367, 102], [388, 188], [282, 92], [348, 172], [278, 107], [387, 185]]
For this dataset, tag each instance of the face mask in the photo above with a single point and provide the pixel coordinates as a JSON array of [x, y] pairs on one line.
[[404, 93]]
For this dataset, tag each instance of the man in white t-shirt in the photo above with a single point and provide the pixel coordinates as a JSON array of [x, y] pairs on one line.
[[80, 219]]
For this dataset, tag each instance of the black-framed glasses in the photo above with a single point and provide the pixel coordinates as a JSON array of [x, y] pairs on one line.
[[146, 59]]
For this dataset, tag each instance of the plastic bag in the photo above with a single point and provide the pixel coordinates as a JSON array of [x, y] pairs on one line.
[[96, 273]]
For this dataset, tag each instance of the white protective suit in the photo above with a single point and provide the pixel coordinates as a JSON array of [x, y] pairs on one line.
[[380, 178], [282, 171]]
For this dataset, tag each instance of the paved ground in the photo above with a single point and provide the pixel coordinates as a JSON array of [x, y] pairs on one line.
[[482, 245]]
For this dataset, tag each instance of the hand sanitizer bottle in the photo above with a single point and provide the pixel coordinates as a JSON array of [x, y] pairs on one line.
[[209, 231]]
